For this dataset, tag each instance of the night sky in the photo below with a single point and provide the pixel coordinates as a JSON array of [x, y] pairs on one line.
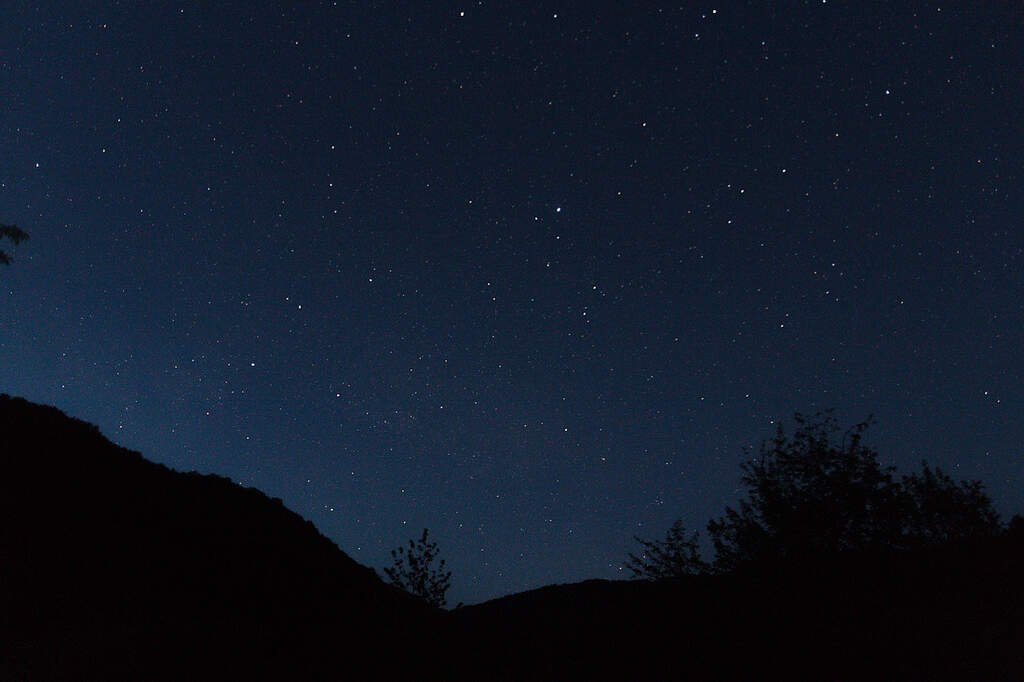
[[532, 275]]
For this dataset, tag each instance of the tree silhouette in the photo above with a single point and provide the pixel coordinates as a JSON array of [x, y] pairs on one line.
[[675, 556], [412, 571], [816, 493], [939, 509], [16, 235], [810, 493]]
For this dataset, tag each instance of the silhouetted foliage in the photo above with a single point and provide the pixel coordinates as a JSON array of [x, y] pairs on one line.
[[815, 493], [412, 571], [676, 556], [13, 233], [939, 509], [809, 494]]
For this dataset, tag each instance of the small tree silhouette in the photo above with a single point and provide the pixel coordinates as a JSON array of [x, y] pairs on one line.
[[675, 556], [412, 571], [16, 235]]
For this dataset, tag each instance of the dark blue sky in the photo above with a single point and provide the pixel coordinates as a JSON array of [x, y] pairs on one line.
[[529, 274]]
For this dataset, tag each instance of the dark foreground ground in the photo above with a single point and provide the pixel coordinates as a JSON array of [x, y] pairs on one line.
[[112, 567]]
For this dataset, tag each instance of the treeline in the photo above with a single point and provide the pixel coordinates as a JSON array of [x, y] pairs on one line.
[[818, 492], [815, 493]]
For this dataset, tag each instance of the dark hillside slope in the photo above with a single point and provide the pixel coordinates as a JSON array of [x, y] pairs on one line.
[[113, 567], [116, 568], [955, 613]]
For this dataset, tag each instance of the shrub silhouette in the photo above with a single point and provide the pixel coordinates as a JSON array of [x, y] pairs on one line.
[[939, 509], [412, 571], [675, 556], [815, 493]]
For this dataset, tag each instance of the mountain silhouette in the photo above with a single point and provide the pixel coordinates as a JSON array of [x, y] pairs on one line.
[[114, 567]]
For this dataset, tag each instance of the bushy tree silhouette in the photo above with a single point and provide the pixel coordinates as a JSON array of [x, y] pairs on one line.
[[817, 492], [939, 509], [412, 570], [13, 233], [809, 493], [675, 556]]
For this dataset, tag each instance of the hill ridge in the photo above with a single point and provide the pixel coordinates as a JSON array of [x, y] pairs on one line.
[[187, 569], [114, 567]]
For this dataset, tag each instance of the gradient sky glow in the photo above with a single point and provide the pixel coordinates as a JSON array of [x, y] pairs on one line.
[[529, 274]]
